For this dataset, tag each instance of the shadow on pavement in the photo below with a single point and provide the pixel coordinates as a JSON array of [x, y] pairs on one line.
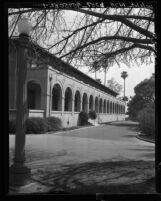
[[103, 177]]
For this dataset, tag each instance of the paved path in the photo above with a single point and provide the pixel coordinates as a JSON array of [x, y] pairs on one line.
[[112, 143]]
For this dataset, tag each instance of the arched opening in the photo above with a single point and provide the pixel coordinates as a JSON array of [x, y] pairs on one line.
[[84, 103], [104, 106], [77, 101], [91, 103], [113, 108], [56, 98], [68, 100], [100, 106], [116, 108], [33, 95], [108, 106], [96, 104]]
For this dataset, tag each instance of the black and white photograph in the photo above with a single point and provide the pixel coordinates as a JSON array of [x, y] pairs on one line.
[[81, 85]]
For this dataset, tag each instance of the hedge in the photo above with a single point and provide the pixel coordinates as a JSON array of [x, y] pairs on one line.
[[146, 118], [92, 115], [38, 125], [83, 118], [54, 123]]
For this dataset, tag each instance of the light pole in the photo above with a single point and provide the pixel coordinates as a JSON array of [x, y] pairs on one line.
[[124, 76], [18, 167]]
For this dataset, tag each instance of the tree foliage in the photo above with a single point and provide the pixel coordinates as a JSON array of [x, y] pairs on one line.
[[114, 85], [144, 97], [95, 37]]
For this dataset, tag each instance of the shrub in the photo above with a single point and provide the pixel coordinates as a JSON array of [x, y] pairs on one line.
[[92, 115], [36, 125], [83, 118], [54, 123], [146, 118]]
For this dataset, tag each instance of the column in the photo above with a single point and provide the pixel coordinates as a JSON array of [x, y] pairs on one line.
[[73, 100], [19, 166]]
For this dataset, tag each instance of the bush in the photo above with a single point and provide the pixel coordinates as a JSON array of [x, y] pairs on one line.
[[92, 115], [54, 123], [83, 118], [146, 118], [36, 125]]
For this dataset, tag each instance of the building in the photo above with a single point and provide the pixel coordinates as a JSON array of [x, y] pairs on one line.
[[55, 88]]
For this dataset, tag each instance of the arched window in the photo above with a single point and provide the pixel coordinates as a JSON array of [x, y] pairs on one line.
[[91, 103], [119, 109], [108, 109], [100, 106], [116, 108], [56, 98], [77, 101], [104, 106], [96, 104], [84, 102], [33, 95], [68, 100], [111, 108]]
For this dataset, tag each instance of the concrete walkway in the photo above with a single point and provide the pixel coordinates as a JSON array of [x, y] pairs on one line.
[[51, 155]]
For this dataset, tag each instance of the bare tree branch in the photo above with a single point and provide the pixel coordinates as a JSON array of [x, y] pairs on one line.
[[118, 18]]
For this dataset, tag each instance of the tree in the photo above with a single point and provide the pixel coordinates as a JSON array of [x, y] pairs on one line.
[[99, 81], [114, 85], [94, 36], [144, 97]]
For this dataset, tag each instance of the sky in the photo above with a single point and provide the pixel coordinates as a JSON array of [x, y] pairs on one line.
[[136, 74]]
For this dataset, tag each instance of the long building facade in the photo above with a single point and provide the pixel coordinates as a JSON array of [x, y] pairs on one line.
[[55, 88]]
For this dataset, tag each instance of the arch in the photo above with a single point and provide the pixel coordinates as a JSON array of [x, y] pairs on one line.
[[77, 101], [68, 99], [116, 108], [108, 107], [96, 104], [56, 98], [100, 105], [111, 107], [33, 95], [85, 103], [60, 84], [91, 106], [104, 106]]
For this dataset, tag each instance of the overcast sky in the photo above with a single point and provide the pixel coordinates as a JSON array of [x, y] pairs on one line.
[[136, 74]]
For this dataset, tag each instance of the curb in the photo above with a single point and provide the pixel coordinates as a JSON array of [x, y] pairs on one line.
[[146, 140], [72, 129]]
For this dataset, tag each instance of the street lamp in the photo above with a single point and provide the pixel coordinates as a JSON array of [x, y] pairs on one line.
[[124, 76], [18, 167]]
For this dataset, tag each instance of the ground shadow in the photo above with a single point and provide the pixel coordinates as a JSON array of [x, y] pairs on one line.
[[103, 177]]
